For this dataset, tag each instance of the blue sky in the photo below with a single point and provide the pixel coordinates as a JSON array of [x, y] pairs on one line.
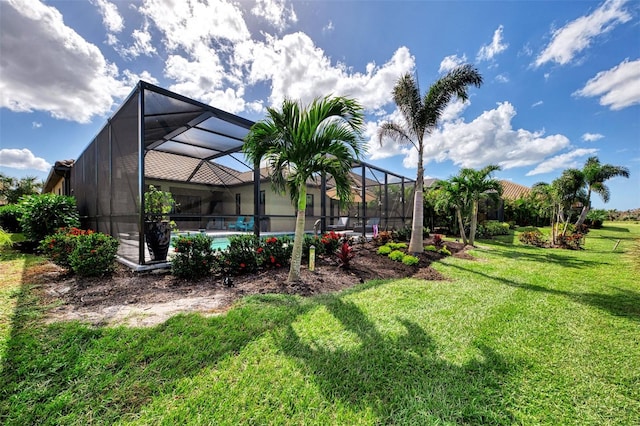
[[561, 78]]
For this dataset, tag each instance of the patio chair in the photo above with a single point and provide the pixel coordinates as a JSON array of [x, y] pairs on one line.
[[368, 227], [340, 225], [247, 226], [239, 223]]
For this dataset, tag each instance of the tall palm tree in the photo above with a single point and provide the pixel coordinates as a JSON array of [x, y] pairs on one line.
[[299, 144], [595, 174], [421, 116], [479, 184]]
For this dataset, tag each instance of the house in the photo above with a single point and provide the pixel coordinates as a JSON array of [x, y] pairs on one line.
[[161, 138], [59, 179]]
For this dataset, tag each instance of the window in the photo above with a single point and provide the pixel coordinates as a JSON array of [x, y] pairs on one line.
[[188, 204], [238, 203], [309, 211]]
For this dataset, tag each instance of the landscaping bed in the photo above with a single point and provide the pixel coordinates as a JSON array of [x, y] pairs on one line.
[[146, 299]]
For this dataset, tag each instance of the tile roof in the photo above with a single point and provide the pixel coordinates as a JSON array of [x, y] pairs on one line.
[[513, 191]]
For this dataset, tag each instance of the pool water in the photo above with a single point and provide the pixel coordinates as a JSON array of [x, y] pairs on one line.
[[220, 243]]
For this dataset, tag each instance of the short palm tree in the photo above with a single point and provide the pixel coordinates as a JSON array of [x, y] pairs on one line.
[[299, 144], [595, 174], [421, 116], [453, 195], [479, 184]]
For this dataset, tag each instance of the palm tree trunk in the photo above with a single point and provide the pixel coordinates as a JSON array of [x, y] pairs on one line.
[[296, 254], [415, 244], [474, 222], [463, 234], [585, 209]]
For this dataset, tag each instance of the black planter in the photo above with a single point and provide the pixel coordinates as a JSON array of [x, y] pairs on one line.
[[158, 237]]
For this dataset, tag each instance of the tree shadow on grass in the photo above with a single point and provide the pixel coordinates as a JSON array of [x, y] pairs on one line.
[[70, 372], [554, 256], [621, 302], [403, 379]]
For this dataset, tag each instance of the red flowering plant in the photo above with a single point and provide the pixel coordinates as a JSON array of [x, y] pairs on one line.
[[58, 247], [275, 252], [345, 254], [331, 241], [94, 254]]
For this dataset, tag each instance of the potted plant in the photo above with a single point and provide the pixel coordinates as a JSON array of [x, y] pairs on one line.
[[157, 227]]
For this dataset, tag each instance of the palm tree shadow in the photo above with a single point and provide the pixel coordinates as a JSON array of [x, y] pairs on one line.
[[621, 302], [403, 378]]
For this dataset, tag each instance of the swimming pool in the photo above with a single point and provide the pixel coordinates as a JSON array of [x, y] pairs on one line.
[[218, 242]]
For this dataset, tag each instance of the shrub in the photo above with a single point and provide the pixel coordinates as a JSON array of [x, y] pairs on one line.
[[430, 247], [345, 255], [444, 251], [571, 241], [397, 246], [410, 260], [94, 254], [396, 255], [10, 218], [5, 239], [44, 214], [437, 240], [240, 256], [533, 238], [404, 233], [193, 257], [493, 227], [596, 217], [58, 247], [312, 240], [330, 241], [275, 252], [384, 250], [383, 237]]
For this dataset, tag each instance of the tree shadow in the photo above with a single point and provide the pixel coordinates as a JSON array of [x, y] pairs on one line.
[[72, 369], [403, 379], [555, 256], [615, 229], [622, 302]]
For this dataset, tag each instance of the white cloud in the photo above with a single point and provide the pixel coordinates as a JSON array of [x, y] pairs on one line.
[[591, 137], [502, 78], [328, 28], [189, 25], [111, 18], [22, 159], [275, 12], [537, 104], [298, 69], [561, 162], [577, 35], [141, 43], [388, 148], [618, 87], [48, 66], [36, 125], [488, 139], [450, 62], [487, 52]]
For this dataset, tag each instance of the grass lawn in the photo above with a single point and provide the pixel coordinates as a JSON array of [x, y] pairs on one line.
[[523, 335]]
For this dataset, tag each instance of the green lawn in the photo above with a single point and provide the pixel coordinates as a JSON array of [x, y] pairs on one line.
[[522, 335]]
